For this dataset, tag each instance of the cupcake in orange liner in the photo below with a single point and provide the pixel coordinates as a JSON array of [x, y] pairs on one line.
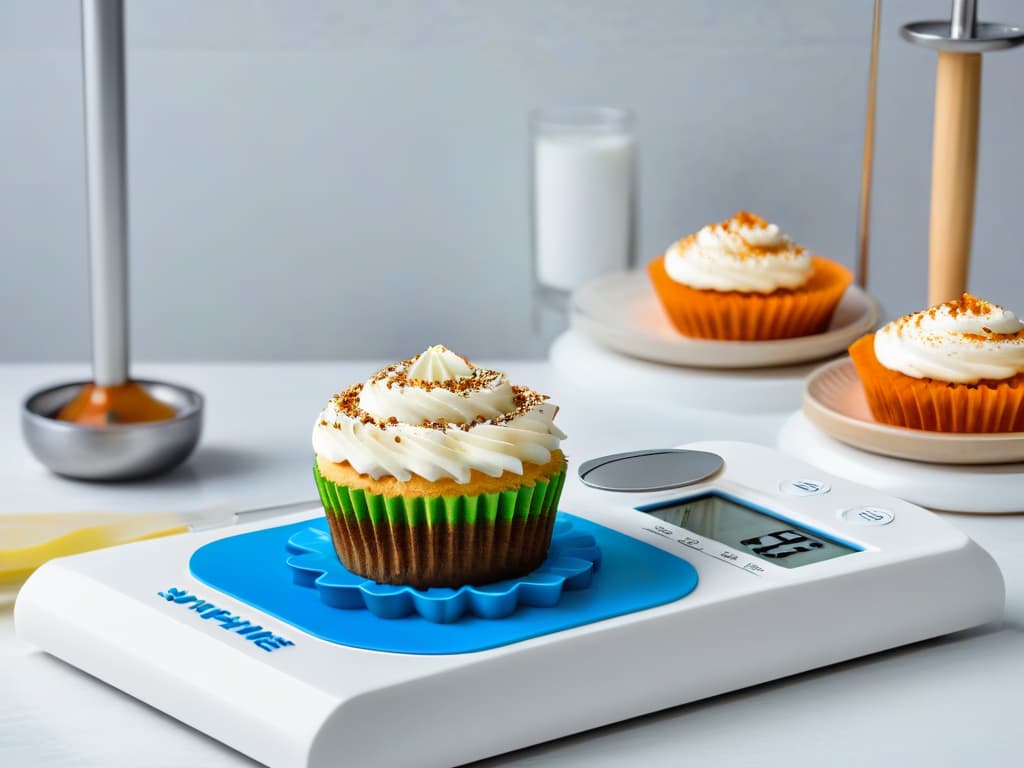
[[743, 280], [956, 367], [438, 473]]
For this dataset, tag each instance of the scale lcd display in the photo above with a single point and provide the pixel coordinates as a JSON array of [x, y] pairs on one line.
[[746, 529]]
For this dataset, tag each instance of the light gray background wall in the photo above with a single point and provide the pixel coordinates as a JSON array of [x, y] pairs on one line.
[[342, 178]]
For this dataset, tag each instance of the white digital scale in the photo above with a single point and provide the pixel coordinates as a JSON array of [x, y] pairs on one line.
[[758, 567]]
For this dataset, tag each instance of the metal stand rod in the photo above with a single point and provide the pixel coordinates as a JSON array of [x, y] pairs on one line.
[[868, 158], [963, 19], [106, 171], [960, 43]]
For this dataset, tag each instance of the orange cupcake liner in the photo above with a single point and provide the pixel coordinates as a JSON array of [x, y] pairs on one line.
[[737, 316], [937, 406]]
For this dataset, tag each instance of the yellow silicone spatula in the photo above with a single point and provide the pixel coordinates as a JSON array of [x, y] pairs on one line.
[[29, 540]]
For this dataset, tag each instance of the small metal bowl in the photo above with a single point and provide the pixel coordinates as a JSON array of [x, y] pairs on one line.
[[116, 452]]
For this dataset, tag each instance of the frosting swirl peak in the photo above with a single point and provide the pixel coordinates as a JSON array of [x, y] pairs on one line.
[[439, 364], [744, 253], [437, 386], [962, 341], [436, 415]]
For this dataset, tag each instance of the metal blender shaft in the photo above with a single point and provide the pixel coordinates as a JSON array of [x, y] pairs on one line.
[[106, 171], [115, 450]]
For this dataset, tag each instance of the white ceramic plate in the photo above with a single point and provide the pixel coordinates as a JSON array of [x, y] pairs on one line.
[[834, 401], [966, 488], [620, 311]]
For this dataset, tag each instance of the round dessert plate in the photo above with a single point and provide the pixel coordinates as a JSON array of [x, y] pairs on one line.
[[621, 311], [834, 401]]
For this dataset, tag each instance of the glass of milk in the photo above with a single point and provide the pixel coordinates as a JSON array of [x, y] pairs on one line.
[[583, 166]]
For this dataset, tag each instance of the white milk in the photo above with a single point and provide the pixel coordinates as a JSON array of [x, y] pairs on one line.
[[583, 204]]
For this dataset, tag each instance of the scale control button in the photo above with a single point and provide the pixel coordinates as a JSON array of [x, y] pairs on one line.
[[804, 487], [867, 516]]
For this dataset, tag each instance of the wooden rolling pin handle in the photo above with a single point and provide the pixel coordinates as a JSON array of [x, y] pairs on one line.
[[954, 170]]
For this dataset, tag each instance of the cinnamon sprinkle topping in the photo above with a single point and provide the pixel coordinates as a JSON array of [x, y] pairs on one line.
[[745, 219], [966, 306], [396, 376], [524, 399], [748, 220]]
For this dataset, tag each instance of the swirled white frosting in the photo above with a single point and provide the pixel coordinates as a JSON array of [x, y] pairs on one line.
[[415, 402], [744, 253], [961, 341], [436, 416]]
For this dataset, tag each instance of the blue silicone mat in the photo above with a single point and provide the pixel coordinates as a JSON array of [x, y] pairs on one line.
[[573, 558], [252, 567]]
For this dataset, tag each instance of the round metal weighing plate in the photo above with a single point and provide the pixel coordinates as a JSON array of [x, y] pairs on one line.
[[650, 470]]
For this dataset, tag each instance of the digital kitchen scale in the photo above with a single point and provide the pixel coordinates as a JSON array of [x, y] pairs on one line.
[[678, 575]]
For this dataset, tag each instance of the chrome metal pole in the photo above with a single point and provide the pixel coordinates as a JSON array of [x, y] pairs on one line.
[[106, 172], [963, 20]]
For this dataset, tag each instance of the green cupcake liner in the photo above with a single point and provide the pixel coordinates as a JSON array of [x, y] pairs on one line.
[[505, 506], [442, 540]]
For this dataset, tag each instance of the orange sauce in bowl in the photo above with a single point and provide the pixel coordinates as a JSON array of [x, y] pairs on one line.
[[127, 403]]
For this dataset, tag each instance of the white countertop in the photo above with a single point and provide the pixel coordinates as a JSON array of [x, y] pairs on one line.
[[947, 702]]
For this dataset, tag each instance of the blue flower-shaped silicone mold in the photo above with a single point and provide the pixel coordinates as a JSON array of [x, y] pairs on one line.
[[572, 560]]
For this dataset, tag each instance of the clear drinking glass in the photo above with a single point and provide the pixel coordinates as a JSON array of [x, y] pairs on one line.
[[583, 196]]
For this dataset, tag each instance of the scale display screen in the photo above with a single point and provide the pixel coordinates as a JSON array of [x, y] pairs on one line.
[[747, 529]]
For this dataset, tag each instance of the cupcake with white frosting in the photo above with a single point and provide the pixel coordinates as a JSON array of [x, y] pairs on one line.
[[956, 367], [743, 279], [438, 473]]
